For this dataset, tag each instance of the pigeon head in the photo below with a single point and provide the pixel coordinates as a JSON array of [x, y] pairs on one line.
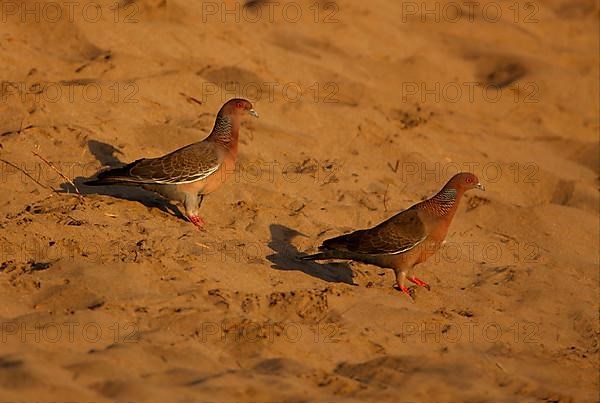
[[238, 107], [465, 181]]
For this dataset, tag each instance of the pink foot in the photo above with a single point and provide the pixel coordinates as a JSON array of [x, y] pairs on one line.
[[418, 282], [197, 221], [407, 292]]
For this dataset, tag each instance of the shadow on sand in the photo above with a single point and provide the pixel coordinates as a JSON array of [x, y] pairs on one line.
[[286, 257], [106, 155]]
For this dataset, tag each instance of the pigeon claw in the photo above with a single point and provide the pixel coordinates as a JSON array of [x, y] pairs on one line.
[[407, 292], [197, 221], [418, 282]]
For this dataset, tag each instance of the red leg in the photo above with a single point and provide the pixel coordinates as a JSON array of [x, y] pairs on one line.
[[400, 277], [407, 292], [418, 282], [197, 221]]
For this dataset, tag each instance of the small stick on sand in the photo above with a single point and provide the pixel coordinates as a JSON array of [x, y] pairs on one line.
[[27, 174], [60, 173], [190, 98], [385, 198]]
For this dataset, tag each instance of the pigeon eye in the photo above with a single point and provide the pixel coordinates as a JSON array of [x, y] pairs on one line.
[[239, 105], [469, 180]]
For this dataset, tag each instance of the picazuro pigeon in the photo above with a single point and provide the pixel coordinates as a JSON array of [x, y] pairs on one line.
[[406, 239], [189, 173]]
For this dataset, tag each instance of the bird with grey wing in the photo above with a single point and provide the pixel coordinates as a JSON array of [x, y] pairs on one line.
[[406, 239], [189, 173]]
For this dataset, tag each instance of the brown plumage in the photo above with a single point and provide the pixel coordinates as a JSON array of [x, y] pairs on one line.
[[189, 173], [406, 239]]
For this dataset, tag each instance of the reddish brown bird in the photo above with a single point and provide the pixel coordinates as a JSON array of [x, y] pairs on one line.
[[406, 239], [189, 173]]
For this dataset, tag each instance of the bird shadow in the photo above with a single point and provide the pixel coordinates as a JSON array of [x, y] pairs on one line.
[[106, 154], [287, 257]]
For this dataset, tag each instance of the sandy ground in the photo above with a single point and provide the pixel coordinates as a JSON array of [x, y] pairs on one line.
[[366, 108]]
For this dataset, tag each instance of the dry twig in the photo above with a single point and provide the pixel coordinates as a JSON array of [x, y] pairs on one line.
[[385, 198], [60, 173], [190, 98]]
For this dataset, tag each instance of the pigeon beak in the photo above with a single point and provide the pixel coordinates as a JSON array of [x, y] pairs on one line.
[[480, 186], [253, 112]]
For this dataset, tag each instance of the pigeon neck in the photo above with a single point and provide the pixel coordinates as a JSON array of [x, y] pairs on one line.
[[226, 130], [444, 203]]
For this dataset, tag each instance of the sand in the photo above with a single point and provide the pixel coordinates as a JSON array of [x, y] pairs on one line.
[[366, 108]]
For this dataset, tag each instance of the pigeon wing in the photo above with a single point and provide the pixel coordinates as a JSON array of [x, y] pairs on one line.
[[398, 234], [188, 164]]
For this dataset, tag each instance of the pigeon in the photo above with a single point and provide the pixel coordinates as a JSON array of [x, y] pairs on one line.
[[189, 173], [406, 239]]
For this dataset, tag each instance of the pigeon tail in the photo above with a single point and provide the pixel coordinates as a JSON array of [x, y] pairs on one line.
[[113, 177], [327, 254]]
